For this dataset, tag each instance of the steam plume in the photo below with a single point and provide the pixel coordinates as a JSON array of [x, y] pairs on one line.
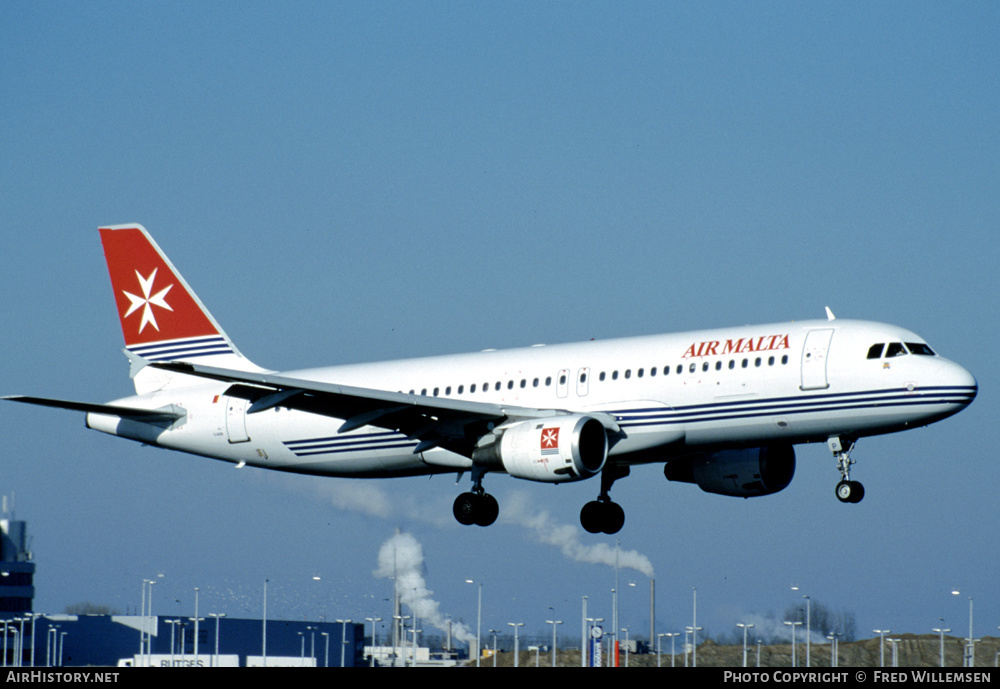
[[402, 558], [566, 538]]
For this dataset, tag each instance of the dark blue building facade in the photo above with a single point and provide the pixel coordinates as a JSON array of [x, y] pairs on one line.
[[76, 640]]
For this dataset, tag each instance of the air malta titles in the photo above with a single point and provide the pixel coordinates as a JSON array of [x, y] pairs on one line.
[[743, 345]]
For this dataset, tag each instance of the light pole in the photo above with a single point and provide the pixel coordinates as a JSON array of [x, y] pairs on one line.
[[196, 620], [793, 625], [614, 606], [554, 642], [515, 625], [263, 633], [142, 630], [881, 645], [834, 638], [10, 628], [941, 632], [808, 630], [479, 620], [13, 630], [217, 615], [343, 641], [745, 627], [494, 632], [373, 620], [414, 631], [808, 627], [895, 651], [583, 635], [693, 631], [173, 633], [694, 627], [972, 643], [145, 638], [34, 619], [399, 624]]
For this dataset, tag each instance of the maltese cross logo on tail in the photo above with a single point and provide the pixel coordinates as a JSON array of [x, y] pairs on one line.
[[147, 301]]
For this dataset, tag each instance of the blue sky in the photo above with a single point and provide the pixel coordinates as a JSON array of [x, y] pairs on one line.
[[345, 182]]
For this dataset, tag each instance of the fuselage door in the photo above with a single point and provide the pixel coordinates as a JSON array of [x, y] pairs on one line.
[[562, 383], [814, 356], [236, 419]]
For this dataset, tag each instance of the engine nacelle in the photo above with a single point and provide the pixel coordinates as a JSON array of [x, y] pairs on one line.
[[739, 473], [554, 450]]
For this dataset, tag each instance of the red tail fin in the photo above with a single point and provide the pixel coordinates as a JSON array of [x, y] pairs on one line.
[[161, 317]]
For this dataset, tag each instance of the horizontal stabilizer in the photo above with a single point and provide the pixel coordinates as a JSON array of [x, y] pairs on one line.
[[171, 413]]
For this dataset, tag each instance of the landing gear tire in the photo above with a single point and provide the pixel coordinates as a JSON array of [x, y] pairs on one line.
[[614, 518], [481, 509], [604, 516], [850, 491], [487, 511], [465, 508], [590, 517]]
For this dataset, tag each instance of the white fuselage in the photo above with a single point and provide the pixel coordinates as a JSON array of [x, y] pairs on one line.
[[746, 386]]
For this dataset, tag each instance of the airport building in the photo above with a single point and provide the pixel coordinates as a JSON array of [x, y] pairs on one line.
[[17, 571], [29, 639], [17, 586], [164, 641]]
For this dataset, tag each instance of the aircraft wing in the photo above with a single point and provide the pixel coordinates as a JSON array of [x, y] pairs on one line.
[[455, 425]]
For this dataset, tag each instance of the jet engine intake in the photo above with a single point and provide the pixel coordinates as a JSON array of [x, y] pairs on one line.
[[554, 450], [739, 473]]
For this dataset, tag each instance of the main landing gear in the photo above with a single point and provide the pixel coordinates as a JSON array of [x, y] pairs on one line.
[[603, 515], [847, 490], [476, 507]]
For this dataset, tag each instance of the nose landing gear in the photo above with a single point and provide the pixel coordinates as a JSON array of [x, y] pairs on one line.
[[847, 490]]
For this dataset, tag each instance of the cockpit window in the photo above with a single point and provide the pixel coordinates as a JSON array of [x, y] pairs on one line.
[[895, 349], [875, 351], [919, 348]]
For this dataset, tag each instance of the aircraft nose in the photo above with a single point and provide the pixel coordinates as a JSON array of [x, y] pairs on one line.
[[960, 381]]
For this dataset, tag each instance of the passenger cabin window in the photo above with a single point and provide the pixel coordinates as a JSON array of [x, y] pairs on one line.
[[875, 351]]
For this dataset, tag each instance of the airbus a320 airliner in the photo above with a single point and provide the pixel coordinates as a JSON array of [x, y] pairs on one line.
[[718, 408]]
